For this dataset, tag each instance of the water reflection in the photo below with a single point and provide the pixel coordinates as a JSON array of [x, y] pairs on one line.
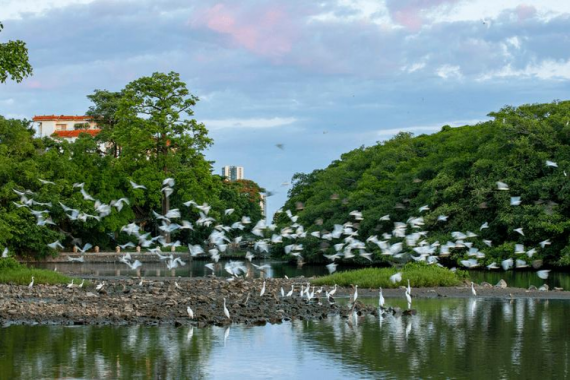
[[452, 338]]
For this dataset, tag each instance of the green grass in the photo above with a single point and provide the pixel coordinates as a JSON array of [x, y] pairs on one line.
[[12, 272], [420, 275]]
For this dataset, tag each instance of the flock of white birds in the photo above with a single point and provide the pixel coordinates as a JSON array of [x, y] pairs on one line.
[[413, 244]]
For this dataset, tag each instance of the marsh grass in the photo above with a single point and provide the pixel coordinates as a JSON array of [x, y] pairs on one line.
[[420, 275], [12, 272]]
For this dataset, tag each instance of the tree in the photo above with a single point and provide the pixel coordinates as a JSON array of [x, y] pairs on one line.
[[14, 60], [104, 113], [154, 125]]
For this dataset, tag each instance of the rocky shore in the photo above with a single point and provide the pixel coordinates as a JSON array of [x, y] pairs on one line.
[[161, 302]]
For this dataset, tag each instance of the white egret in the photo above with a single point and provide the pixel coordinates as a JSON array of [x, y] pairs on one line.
[[543, 273], [262, 292], [396, 277], [282, 293], [100, 286], [226, 311], [519, 230], [409, 288], [355, 296], [332, 292], [81, 285], [70, 285], [290, 293], [136, 186], [190, 312], [409, 299], [502, 186], [31, 283], [381, 299], [473, 289]]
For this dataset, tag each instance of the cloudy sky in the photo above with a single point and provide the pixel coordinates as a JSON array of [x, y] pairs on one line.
[[319, 77]]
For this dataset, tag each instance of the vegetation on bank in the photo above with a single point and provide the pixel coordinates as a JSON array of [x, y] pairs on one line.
[[12, 272], [166, 143], [420, 275], [454, 172]]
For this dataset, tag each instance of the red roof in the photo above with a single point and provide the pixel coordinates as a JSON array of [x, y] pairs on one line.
[[76, 132], [60, 117]]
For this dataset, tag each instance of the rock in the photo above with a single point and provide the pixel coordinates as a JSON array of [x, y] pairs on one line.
[[543, 288], [501, 284], [486, 285], [532, 287], [558, 289]]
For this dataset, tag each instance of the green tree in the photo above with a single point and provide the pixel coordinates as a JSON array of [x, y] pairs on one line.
[[14, 61]]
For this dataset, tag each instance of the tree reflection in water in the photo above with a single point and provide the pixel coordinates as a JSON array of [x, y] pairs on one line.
[[454, 338]]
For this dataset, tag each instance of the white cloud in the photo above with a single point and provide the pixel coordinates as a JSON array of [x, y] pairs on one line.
[[13, 9], [249, 123], [473, 10], [449, 71], [546, 69], [414, 67]]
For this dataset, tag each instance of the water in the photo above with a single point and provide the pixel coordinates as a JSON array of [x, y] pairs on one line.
[[451, 338]]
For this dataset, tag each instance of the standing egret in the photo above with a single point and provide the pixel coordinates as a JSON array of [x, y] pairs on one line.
[[282, 292], [355, 293], [226, 311], [473, 289], [70, 285], [332, 292], [100, 286], [81, 285], [409, 299], [31, 283], [409, 288], [190, 312], [291, 291], [381, 299], [262, 290]]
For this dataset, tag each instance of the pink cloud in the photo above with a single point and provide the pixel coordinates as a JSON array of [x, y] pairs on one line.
[[267, 32], [524, 12], [410, 13]]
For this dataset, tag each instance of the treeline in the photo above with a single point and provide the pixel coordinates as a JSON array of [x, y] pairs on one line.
[[148, 136], [455, 173]]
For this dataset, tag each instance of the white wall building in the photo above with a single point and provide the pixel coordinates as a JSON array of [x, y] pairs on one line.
[[68, 127]]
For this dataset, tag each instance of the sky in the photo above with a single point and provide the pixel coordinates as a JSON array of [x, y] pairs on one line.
[[319, 78]]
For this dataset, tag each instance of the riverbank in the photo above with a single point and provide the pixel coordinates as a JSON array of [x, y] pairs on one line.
[[125, 302]]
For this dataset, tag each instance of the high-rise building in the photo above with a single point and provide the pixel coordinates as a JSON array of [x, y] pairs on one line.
[[233, 173]]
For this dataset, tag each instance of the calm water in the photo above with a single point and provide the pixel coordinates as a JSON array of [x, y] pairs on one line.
[[520, 278], [451, 338]]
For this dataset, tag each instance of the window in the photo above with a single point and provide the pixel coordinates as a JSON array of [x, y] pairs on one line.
[[61, 127]]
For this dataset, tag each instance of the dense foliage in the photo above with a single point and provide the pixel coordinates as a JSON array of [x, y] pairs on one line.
[[454, 172], [14, 61], [146, 155]]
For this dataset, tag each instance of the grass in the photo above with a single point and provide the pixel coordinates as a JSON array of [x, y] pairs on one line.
[[12, 272], [420, 275]]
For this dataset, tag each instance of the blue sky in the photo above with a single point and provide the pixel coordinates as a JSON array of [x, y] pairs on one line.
[[321, 78]]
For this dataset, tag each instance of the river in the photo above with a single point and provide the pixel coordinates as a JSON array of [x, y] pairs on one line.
[[448, 338]]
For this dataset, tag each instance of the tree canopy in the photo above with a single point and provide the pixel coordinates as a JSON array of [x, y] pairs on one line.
[[14, 62], [148, 123], [454, 172]]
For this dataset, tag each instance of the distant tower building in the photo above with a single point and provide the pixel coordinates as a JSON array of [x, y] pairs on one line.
[[263, 205], [233, 173]]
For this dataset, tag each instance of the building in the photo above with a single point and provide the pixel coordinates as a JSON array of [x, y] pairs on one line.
[[263, 205], [68, 127], [232, 173]]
